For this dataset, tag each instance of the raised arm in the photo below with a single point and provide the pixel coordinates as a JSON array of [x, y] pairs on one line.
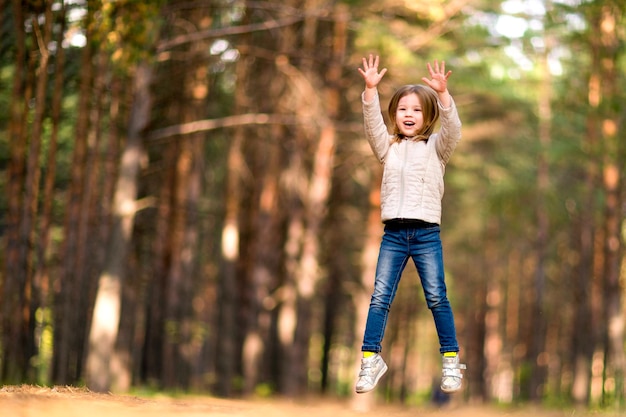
[[450, 132], [438, 81], [372, 77]]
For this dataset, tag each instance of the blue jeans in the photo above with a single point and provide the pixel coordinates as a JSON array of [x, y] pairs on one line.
[[423, 245]]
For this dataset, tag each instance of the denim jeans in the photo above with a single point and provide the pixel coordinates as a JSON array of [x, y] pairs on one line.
[[423, 245]]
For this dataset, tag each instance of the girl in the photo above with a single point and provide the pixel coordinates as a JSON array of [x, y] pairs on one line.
[[414, 160]]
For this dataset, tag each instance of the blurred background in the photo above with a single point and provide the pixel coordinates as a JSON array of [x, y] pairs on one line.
[[189, 203]]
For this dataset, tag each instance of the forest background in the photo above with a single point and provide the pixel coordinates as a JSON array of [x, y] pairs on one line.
[[189, 202]]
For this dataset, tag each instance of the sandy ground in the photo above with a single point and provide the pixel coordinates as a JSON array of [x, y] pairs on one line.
[[29, 401]]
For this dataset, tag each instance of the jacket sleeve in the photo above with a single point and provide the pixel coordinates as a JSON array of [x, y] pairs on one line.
[[375, 128], [450, 132]]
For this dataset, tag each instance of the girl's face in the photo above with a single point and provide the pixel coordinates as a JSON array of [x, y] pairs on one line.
[[409, 116]]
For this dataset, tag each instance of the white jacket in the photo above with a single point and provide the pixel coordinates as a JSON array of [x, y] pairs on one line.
[[412, 185]]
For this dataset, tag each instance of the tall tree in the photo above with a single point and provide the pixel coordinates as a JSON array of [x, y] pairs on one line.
[[29, 232], [264, 248], [317, 192], [102, 364], [68, 339], [542, 243], [42, 268], [15, 289], [606, 18], [360, 297], [226, 345], [584, 341], [184, 235]]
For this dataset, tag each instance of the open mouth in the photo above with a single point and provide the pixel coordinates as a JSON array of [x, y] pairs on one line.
[[409, 124]]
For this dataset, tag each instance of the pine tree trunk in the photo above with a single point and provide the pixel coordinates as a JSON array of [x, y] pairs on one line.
[[586, 380], [361, 296], [41, 273], [613, 186], [264, 263], [584, 338], [226, 352], [152, 363], [68, 340], [315, 210], [33, 179], [493, 343], [14, 324], [101, 357], [537, 347]]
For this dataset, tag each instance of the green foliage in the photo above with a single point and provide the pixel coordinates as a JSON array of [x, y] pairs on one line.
[[128, 30], [42, 361]]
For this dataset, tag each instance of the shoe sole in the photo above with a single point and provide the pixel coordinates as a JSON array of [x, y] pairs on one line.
[[380, 375], [450, 390]]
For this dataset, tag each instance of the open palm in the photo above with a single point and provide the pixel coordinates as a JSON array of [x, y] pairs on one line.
[[438, 80], [370, 71]]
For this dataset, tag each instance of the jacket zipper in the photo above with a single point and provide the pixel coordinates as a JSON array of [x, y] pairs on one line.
[[402, 168]]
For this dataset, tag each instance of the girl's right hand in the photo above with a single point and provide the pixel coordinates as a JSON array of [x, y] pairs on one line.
[[370, 73]]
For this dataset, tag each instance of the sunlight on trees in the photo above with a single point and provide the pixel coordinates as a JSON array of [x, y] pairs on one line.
[[208, 159]]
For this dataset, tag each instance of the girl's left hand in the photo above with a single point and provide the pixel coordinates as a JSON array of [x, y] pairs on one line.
[[438, 77]]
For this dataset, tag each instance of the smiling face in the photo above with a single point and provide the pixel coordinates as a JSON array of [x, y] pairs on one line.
[[413, 112], [409, 115]]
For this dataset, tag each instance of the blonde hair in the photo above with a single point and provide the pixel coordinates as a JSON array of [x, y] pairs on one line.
[[430, 109]]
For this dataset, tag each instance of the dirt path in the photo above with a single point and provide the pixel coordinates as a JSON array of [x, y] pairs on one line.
[[28, 401]]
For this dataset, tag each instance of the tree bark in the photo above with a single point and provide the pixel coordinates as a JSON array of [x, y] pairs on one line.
[[153, 342], [68, 341], [584, 337], [226, 359], [42, 269], [308, 271], [361, 295], [101, 358], [608, 22], [14, 285], [29, 230], [537, 347], [493, 343], [264, 262]]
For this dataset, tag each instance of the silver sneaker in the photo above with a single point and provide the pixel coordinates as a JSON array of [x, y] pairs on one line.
[[372, 369], [452, 378]]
